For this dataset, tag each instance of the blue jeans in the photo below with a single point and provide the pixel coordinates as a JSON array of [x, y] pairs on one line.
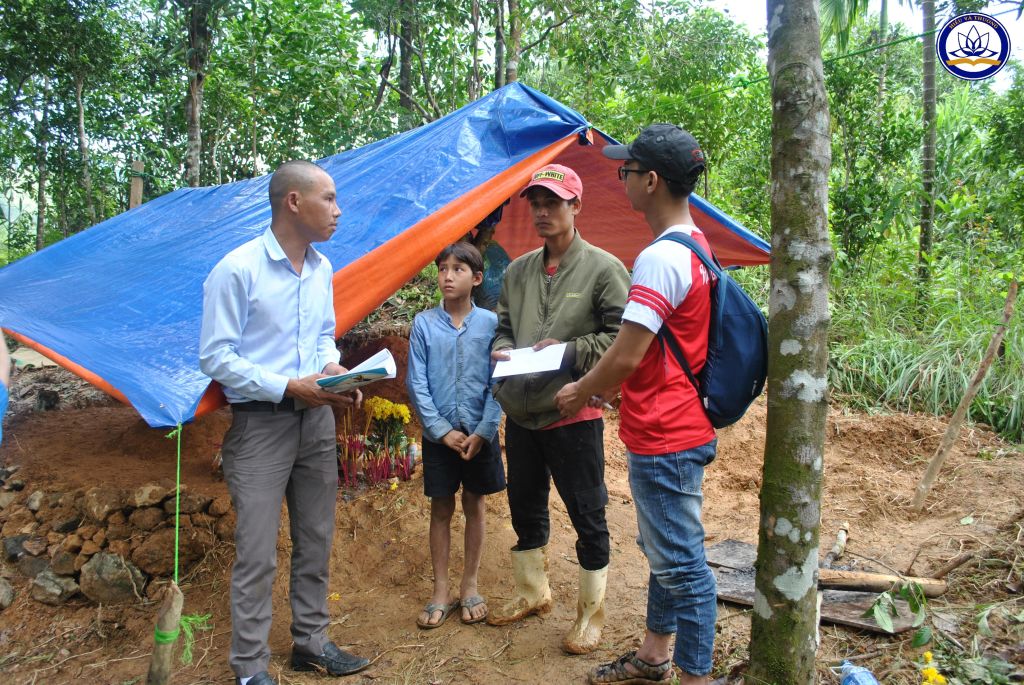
[[681, 590]]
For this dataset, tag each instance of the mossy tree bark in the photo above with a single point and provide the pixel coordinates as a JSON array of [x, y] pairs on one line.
[[784, 624]]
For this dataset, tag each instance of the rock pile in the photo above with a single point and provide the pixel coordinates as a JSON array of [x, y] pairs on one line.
[[105, 542]]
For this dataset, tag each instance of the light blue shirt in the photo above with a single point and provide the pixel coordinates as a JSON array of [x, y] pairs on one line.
[[449, 375], [263, 323]]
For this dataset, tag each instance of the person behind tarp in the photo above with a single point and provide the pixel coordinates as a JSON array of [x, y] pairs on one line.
[[496, 260], [267, 335], [566, 291], [668, 436], [5, 380]]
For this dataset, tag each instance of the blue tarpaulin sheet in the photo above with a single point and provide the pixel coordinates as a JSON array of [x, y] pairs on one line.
[[123, 299]]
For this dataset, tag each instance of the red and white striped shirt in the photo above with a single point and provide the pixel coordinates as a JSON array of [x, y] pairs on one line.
[[661, 411]]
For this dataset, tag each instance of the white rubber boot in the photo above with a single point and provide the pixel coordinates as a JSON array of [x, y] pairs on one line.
[[533, 595], [586, 632]]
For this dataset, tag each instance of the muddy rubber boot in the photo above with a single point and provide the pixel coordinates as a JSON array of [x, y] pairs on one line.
[[586, 632], [533, 596]]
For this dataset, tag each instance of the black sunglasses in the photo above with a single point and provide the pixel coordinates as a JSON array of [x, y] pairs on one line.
[[623, 171]]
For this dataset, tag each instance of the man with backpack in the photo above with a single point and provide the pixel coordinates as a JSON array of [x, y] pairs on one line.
[[668, 434]]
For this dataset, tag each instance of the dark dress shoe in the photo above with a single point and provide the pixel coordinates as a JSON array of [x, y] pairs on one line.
[[333, 661], [261, 678]]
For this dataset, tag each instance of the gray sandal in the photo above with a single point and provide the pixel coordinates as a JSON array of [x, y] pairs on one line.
[[468, 604], [646, 674], [445, 609]]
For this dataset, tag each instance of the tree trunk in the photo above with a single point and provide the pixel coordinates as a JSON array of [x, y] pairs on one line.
[[255, 108], [60, 195], [42, 140], [406, 9], [515, 36], [883, 36], [83, 149], [785, 618], [927, 157], [499, 44], [473, 91], [199, 35]]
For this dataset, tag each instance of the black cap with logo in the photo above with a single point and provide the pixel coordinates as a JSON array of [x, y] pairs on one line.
[[664, 148]]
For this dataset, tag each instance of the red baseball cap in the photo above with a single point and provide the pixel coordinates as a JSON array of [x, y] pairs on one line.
[[560, 180]]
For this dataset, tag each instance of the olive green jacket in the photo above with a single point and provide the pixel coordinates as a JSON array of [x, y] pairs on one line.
[[581, 304]]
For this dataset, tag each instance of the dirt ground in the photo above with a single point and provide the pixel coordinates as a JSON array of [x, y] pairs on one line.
[[381, 568]]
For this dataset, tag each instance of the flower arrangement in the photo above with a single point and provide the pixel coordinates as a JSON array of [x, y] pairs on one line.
[[380, 451]]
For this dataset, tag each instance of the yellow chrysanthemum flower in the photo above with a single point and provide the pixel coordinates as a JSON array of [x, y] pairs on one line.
[[932, 676]]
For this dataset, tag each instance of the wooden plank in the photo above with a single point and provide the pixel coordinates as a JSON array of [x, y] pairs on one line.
[[839, 607], [732, 554]]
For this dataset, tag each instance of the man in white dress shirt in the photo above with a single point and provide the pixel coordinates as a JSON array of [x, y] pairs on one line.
[[267, 335]]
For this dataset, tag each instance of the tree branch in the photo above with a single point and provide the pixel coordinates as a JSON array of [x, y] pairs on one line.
[[425, 75], [423, 112], [544, 34]]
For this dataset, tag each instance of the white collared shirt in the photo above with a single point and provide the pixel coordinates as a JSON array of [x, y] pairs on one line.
[[263, 323]]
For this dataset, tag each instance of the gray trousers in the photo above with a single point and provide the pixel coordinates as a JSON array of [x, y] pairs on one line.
[[268, 457]]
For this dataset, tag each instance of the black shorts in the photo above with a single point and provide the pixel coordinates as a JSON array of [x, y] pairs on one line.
[[444, 470]]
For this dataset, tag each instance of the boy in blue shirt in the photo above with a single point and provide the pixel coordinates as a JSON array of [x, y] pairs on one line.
[[450, 387]]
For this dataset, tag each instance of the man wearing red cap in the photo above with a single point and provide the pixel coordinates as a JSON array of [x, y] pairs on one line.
[[567, 291]]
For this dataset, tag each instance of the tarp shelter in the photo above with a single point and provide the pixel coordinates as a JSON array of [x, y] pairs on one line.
[[120, 303]]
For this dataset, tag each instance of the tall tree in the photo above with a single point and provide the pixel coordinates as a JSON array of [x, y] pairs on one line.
[[474, 83], [513, 50], [883, 37], [200, 16], [406, 14], [42, 144], [785, 619], [927, 155], [88, 57], [499, 43]]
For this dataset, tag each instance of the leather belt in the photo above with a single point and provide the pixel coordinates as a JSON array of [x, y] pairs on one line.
[[287, 404]]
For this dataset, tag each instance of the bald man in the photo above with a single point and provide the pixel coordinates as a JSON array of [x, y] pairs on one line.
[[267, 336]]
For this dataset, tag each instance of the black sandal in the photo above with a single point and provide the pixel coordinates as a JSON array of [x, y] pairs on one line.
[[646, 674]]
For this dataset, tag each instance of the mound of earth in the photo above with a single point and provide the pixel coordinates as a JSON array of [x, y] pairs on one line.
[[381, 572]]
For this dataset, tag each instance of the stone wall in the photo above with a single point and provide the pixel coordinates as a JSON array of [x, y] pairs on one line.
[[105, 542]]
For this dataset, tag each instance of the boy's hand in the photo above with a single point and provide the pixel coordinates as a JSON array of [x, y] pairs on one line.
[[471, 447], [454, 440], [500, 355]]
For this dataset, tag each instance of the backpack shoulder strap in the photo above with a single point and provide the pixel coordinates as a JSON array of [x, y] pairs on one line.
[[711, 262], [665, 336]]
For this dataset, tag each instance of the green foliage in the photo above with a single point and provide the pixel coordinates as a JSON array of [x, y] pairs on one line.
[[874, 172], [884, 609], [972, 666], [878, 357]]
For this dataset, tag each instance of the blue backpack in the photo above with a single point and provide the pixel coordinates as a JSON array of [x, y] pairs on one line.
[[737, 362]]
